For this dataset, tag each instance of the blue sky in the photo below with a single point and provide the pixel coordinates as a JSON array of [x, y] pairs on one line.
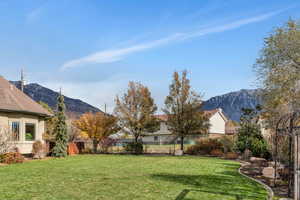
[[93, 48]]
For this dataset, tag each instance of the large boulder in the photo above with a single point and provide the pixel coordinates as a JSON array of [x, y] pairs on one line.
[[260, 162]]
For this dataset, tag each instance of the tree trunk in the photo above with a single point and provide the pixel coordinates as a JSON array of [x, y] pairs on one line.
[[181, 143], [137, 147], [95, 146]]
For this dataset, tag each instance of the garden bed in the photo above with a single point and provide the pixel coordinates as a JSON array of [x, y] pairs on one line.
[[256, 172]]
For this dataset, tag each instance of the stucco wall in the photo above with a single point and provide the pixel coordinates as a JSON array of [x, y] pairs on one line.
[[217, 129], [217, 124], [25, 147]]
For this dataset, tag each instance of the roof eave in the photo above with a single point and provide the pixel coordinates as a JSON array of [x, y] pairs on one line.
[[26, 112]]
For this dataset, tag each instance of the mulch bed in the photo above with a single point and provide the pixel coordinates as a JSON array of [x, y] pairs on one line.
[[255, 172]]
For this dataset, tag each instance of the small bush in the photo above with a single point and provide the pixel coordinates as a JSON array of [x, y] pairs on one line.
[[72, 149], [38, 150], [106, 143], [216, 152], [1, 158], [12, 158], [231, 155], [192, 150], [227, 143], [134, 147], [204, 147], [260, 148], [87, 151]]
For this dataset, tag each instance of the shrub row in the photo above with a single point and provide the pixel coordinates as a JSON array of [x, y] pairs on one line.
[[134, 147], [218, 147], [11, 158]]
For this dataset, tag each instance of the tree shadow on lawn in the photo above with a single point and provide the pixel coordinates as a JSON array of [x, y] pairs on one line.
[[227, 184], [184, 193]]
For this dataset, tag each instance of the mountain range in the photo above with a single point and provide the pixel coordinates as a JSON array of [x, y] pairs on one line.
[[48, 96], [231, 103]]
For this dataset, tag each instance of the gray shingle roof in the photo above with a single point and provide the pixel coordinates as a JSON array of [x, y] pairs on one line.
[[14, 100]]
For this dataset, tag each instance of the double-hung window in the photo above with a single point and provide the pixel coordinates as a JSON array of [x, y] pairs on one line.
[[29, 132], [15, 129]]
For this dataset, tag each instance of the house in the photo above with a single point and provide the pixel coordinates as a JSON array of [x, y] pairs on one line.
[[231, 127], [21, 116], [217, 120]]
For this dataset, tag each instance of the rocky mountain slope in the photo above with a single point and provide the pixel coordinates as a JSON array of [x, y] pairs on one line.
[[233, 102], [40, 93]]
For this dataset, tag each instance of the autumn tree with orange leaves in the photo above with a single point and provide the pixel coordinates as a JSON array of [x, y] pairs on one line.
[[135, 111], [97, 127]]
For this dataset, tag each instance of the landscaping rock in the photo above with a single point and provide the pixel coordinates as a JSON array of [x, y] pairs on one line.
[[178, 153], [268, 172], [39, 155], [279, 165], [259, 161]]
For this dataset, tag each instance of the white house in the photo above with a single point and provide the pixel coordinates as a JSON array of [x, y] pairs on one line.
[[217, 120], [21, 116]]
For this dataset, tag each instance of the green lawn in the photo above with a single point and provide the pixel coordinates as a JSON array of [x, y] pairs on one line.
[[113, 177]]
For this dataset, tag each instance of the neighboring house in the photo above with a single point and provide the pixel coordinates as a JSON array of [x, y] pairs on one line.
[[231, 127], [21, 116], [217, 120]]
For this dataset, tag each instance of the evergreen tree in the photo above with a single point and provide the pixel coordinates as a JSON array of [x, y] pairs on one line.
[[61, 139], [249, 134]]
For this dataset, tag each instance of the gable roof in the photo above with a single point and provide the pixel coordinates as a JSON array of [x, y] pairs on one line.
[[14, 100], [208, 113]]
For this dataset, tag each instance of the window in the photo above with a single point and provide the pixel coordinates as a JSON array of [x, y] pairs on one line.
[[29, 132], [15, 129], [155, 138]]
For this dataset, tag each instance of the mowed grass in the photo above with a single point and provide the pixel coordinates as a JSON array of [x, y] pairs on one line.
[[113, 177]]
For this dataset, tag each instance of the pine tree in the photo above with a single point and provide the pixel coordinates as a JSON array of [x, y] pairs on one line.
[[61, 139]]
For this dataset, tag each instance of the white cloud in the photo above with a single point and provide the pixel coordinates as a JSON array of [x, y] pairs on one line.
[[113, 55]]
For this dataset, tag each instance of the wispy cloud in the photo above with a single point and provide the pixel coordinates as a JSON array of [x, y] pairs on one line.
[[35, 13], [114, 55]]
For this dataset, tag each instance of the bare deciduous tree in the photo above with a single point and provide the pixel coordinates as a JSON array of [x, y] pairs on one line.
[[278, 72], [7, 143]]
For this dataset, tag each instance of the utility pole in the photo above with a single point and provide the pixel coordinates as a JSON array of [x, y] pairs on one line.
[[22, 80]]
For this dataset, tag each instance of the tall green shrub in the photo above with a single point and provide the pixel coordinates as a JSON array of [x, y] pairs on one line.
[[250, 136], [61, 138]]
